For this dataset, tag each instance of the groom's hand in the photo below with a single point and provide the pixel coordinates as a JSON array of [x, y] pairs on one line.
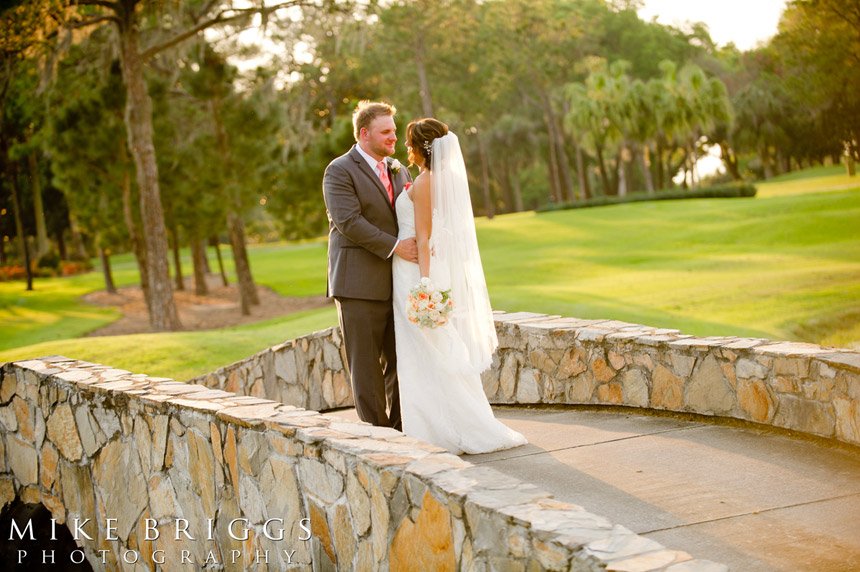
[[407, 249]]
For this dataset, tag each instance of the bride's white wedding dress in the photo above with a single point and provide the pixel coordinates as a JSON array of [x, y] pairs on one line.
[[442, 399]]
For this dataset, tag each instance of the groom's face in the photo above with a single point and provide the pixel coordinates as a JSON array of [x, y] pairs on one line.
[[380, 136]]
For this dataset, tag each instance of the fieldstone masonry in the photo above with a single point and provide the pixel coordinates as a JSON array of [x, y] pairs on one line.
[[306, 372], [124, 455], [554, 360], [797, 386]]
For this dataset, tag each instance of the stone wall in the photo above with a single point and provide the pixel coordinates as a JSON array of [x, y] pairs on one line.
[[548, 359], [307, 372], [798, 386], [92, 442]]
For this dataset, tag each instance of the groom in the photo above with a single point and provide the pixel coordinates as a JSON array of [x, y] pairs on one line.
[[360, 188]]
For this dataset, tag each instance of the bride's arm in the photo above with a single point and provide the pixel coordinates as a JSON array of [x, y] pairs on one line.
[[423, 221]]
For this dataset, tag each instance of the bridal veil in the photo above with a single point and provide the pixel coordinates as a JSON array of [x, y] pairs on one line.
[[457, 262]]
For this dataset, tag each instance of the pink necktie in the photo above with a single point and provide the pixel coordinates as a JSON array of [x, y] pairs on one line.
[[386, 182]]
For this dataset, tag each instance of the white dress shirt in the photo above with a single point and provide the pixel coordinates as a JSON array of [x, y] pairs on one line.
[[373, 162]]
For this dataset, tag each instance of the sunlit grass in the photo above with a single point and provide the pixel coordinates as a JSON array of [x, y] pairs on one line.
[[816, 180], [756, 267], [53, 310], [181, 355]]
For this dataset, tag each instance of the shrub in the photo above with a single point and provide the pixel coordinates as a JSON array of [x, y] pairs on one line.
[[71, 267], [730, 191], [13, 272]]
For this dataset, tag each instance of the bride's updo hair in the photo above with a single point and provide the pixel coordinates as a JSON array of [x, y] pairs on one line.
[[420, 134]]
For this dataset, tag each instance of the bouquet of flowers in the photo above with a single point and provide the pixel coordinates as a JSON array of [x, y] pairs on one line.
[[428, 307]]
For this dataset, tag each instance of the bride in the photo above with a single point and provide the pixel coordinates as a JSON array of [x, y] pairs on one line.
[[441, 396]]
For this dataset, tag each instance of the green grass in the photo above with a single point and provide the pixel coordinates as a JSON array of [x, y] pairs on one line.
[[815, 180], [753, 267], [53, 310], [291, 269], [784, 265], [810, 173], [181, 355]]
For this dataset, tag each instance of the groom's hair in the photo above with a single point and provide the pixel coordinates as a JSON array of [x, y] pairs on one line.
[[366, 111]]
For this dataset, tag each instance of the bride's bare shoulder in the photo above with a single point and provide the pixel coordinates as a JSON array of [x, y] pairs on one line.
[[421, 185]]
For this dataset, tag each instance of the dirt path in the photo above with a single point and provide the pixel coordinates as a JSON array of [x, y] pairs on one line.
[[219, 309]]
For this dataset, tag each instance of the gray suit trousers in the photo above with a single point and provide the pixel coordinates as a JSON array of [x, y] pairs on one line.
[[368, 336]]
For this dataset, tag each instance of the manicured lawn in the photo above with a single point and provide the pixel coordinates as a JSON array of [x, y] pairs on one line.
[[53, 310], [815, 180], [783, 265], [181, 355], [764, 267]]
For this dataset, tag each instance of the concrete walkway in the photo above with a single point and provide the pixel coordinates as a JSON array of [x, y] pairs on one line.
[[750, 498]]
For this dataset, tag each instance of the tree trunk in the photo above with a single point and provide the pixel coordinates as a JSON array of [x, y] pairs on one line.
[[694, 173], [646, 169], [517, 190], [138, 119], [613, 174], [106, 270], [19, 224], [766, 163], [423, 83], [581, 175], [554, 174], [42, 243], [61, 245], [504, 180], [661, 183], [235, 225], [213, 241], [198, 256], [622, 172], [177, 259], [134, 233], [778, 163], [565, 179], [247, 288], [489, 207], [205, 258], [79, 250], [604, 177], [730, 160]]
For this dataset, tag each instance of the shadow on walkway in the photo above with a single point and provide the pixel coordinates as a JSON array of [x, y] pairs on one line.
[[754, 499]]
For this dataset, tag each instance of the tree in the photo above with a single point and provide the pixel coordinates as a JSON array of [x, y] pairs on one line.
[[819, 41], [85, 138], [141, 32], [21, 30]]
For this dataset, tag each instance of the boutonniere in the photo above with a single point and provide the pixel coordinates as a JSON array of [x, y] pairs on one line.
[[395, 166]]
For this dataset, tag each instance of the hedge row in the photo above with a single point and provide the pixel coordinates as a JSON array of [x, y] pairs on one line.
[[730, 191]]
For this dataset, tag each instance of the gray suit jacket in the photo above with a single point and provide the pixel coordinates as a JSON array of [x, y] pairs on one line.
[[362, 228]]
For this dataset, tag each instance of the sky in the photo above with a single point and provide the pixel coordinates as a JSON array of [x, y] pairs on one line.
[[744, 22]]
